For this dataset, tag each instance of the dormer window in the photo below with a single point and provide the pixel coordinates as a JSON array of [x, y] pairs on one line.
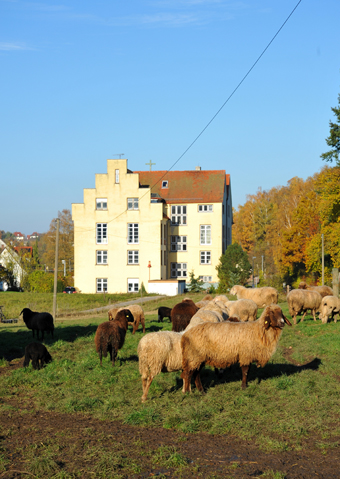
[[101, 203], [165, 184]]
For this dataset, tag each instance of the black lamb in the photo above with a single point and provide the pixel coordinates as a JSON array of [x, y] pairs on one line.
[[39, 355], [38, 322], [163, 312]]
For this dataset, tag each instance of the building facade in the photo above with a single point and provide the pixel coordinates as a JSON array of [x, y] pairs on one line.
[[150, 225]]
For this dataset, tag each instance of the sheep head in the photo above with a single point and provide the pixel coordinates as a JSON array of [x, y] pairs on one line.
[[274, 318]]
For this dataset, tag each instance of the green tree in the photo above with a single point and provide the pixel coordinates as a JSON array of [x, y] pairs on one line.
[[233, 268], [195, 285], [334, 138]]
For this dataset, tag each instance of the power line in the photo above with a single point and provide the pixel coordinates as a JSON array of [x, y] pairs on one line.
[[218, 111]]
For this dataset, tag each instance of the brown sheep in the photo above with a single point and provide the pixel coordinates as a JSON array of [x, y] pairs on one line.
[[222, 344], [300, 300], [110, 336], [323, 290], [262, 296], [138, 316], [181, 314]]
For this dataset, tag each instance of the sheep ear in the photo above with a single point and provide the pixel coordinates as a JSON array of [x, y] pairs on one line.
[[267, 321]]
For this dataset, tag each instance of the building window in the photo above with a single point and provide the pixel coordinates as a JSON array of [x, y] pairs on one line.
[[101, 203], [178, 243], [206, 279], [117, 176], [133, 234], [205, 208], [102, 257], [179, 215], [205, 257], [133, 257], [178, 270], [132, 203], [165, 184], [101, 285], [205, 236], [101, 233], [133, 285]]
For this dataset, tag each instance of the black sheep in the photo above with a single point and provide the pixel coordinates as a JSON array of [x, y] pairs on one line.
[[163, 312], [38, 322], [39, 355]]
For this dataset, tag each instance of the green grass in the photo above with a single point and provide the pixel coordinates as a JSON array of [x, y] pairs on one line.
[[294, 398]]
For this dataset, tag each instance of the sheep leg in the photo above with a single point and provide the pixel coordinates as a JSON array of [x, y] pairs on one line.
[[143, 324], [245, 372], [135, 326], [100, 356], [186, 376], [303, 316], [146, 382], [35, 363], [197, 379]]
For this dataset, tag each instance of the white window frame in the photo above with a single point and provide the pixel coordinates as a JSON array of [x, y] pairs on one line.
[[133, 203], [133, 233], [205, 234], [205, 257], [205, 208], [101, 233], [179, 270], [101, 285], [165, 184], [101, 257], [133, 257], [206, 279], [179, 215], [133, 285], [116, 176], [178, 243], [101, 203]]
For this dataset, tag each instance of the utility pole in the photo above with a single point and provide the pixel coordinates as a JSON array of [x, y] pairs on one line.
[[253, 272], [56, 271], [323, 260]]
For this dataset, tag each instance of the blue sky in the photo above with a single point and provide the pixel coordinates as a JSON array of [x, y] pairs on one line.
[[82, 81]]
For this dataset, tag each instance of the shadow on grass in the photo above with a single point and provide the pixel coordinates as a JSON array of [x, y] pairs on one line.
[[233, 374], [12, 344]]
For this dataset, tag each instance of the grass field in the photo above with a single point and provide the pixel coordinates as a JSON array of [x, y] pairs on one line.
[[293, 399]]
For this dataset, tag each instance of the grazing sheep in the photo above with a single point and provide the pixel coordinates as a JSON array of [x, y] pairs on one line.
[[222, 344], [262, 296], [39, 355], [181, 314], [38, 322], [221, 297], [204, 317], [207, 297], [110, 336], [323, 290], [137, 312], [245, 309], [301, 300], [330, 306], [201, 304], [163, 312], [160, 352]]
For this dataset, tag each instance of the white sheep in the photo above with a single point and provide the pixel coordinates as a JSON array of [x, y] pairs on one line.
[[301, 300], [158, 352], [222, 344], [245, 309], [330, 306], [205, 316], [262, 296]]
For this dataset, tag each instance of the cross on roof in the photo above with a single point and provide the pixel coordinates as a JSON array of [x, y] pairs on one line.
[[150, 164]]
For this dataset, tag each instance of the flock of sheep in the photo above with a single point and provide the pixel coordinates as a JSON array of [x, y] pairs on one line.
[[216, 332]]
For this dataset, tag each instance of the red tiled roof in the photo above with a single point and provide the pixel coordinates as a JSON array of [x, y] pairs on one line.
[[186, 186]]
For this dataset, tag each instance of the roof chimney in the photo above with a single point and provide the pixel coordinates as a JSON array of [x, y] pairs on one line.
[[198, 168]]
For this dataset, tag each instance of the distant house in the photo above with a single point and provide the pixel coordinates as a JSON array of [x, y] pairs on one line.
[[8, 258], [150, 226], [34, 235], [18, 236]]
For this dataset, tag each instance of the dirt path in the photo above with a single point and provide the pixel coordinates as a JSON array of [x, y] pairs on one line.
[[75, 444]]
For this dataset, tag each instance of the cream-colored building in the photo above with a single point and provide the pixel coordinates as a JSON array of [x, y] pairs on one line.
[[150, 225]]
